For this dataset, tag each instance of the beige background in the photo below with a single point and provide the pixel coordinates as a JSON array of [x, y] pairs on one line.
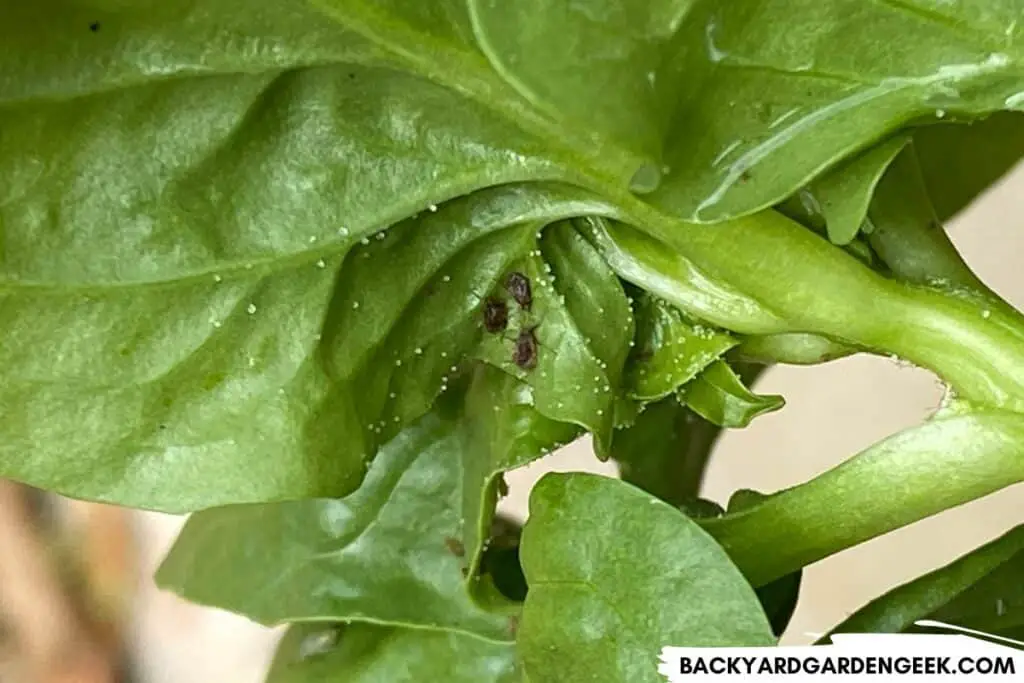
[[832, 412]]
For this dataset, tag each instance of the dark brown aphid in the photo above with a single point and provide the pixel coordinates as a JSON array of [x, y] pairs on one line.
[[518, 285], [455, 547], [495, 315], [525, 353], [513, 625]]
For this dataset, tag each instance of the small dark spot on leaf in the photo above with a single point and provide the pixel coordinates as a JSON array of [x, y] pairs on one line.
[[513, 625], [525, 353], [745, 176], [518, 285], [163, 426], [465, 572], [455, 547], [495, 315], [94, 26]]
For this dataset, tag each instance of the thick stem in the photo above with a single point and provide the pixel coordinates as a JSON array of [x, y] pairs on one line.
[[974, 343], [907, 477]]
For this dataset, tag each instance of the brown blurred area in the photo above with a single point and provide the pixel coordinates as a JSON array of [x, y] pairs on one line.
[[66, 581]]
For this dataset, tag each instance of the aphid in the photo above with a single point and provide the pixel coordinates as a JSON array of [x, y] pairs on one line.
[[525, 353], [455, 546], [518, 285], [495, 315]]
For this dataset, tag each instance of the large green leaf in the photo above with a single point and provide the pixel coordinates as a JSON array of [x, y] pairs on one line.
[[605, 598], [363, 653], [384, 554], [983, 590], [184, 314]]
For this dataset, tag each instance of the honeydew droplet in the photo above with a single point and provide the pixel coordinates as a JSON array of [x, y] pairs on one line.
[[318, 643], [250, 309], [646, 179]]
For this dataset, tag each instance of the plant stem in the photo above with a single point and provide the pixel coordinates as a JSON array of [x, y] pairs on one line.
[[905, 478], [972, 342]]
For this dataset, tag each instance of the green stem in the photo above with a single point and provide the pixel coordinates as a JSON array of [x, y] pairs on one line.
[[905, 478], [974, 343]]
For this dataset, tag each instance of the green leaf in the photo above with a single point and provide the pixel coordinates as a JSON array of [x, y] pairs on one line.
[[582, 324], [608, 564], [364, 653], [624, 48], [254, 384], [907, 234], [720, 397], [982, 590], [670, 350], [386, 554], [501, 430], [665, 451], [845, 192], [783, 89], [959, 162]]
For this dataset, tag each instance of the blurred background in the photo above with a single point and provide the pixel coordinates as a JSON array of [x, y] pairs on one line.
[[77, 604]]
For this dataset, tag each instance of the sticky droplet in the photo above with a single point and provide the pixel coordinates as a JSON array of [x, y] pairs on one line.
[[646, 179], [318, 643]]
